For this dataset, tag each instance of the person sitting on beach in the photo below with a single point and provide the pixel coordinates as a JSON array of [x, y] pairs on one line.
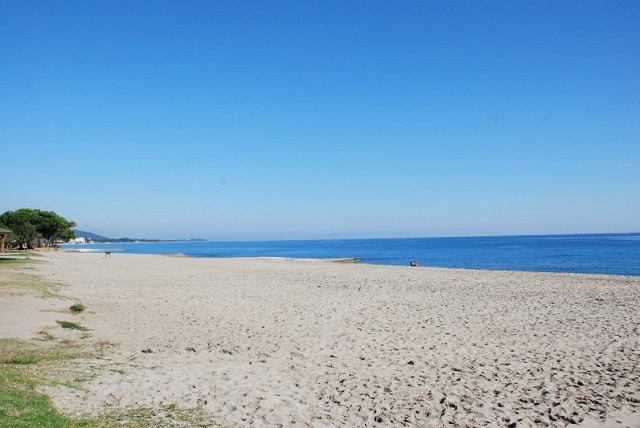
[[414, 263]]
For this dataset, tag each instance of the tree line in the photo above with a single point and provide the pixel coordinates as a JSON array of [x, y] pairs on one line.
[[31, 225]]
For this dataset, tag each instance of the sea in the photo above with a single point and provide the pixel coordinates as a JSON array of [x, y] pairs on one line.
[[611, 254]]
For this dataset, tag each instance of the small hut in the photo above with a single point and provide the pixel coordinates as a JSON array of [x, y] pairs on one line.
[[3, 233]]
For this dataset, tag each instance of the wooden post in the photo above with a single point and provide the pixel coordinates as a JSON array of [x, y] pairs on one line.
[[2, 245]]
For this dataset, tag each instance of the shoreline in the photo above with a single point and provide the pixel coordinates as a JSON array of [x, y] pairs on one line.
[[608, 254], [353, 260], [266, 341]]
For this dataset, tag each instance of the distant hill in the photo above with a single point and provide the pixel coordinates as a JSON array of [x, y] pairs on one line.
[[99, 238], [89, 235]]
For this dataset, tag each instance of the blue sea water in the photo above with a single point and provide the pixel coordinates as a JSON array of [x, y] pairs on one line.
[[617, 254]]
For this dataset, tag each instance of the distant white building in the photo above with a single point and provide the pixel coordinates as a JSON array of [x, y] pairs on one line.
[[78, 241]]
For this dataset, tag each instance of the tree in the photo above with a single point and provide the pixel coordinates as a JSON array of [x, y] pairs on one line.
[[52, 227], [24, 234], [28, 224], [21, 225]]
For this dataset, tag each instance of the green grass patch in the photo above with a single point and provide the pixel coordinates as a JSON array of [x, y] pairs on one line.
[[71, 325], [7, 261], [22, 369], [22, 406], [77, 308], [25, 366], [28, 408]]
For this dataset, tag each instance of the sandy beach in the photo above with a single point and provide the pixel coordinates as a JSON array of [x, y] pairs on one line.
[[273, 342]]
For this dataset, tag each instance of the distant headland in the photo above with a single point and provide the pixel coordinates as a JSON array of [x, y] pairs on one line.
[[86, 237]]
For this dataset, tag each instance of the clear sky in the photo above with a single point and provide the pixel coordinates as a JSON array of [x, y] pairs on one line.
[[322, 119]]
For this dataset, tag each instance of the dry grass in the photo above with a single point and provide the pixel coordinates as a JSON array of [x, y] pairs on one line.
[[45, 335], [103, 347], [167, 416], [16, 280], [49, 364]]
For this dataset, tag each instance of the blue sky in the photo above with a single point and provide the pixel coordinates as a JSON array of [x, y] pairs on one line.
[[322, 119]]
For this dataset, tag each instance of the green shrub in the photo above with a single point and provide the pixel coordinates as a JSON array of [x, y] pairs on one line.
[[77, 308]]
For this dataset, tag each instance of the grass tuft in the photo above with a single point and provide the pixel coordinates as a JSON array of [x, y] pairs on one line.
[[77, 308], [71, 325]]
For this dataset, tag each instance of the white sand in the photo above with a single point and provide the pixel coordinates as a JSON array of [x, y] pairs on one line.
[[263, 342], [22, 316]]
